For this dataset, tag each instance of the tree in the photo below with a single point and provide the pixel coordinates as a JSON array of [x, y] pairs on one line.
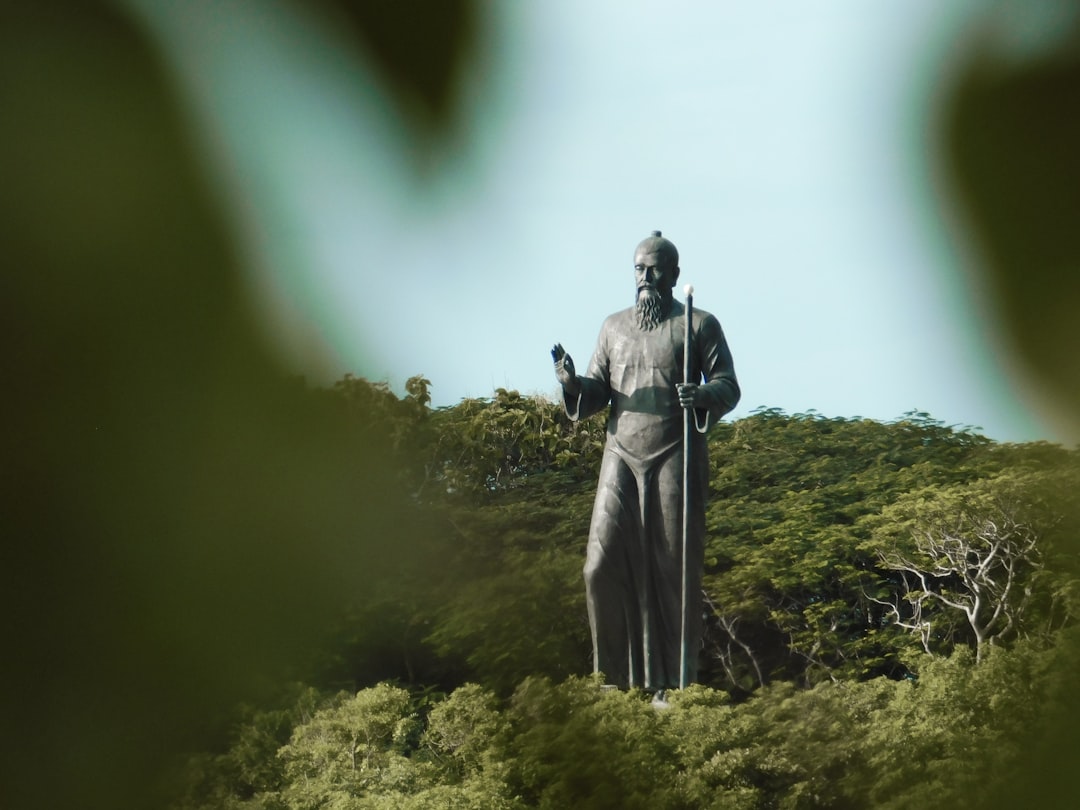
[[484, 447], [789, 561], [350, 747], [975, 550]]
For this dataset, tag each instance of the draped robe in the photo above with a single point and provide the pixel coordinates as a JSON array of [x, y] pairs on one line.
[[633, 567]]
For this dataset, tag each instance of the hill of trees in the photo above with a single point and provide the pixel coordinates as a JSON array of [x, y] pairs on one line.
[[890, 622]]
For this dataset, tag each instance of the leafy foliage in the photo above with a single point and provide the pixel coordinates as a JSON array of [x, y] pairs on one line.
[[489, 446], [889, 609], [808, 523], [976, 552], [877, 743]]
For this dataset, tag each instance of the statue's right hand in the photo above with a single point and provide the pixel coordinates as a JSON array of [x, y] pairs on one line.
[[564, 369]]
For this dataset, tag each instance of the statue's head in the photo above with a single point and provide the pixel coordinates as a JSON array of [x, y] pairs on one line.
[[656, 269], [657, 243]]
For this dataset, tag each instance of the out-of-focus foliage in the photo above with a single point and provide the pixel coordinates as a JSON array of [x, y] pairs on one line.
[[181, 524], [1007, 124]]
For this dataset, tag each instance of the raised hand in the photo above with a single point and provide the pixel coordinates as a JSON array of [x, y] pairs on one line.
[[564, 370]]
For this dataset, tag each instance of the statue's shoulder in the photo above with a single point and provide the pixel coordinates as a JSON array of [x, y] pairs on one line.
[[678, 310], [620, 320], [706, 325], [704, 316]]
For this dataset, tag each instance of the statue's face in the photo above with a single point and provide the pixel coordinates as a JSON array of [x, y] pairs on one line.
[[654, 271]]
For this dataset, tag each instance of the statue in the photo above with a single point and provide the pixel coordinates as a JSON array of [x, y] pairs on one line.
[[634, 559]]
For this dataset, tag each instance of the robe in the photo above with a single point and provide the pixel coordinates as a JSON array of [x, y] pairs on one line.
[[633, 567]]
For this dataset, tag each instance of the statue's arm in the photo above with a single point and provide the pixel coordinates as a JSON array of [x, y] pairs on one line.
[[593, 397], [583, 395], [719, 393]]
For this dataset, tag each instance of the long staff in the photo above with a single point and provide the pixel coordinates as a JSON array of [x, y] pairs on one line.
[[688, 416]]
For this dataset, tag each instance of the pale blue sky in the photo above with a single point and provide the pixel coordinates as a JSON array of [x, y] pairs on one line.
[[784, 147]]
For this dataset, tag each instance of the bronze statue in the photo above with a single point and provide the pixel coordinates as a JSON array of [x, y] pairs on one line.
[[635, 581]]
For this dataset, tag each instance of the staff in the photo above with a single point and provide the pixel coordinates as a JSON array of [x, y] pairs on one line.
[[688, 415]]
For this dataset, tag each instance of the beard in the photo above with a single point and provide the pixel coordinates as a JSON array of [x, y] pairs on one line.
[[650, 310]]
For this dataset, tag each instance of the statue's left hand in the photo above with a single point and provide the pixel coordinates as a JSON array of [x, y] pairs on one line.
[[691, 395]]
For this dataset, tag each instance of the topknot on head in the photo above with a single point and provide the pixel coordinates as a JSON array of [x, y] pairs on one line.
[[656, 242]]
